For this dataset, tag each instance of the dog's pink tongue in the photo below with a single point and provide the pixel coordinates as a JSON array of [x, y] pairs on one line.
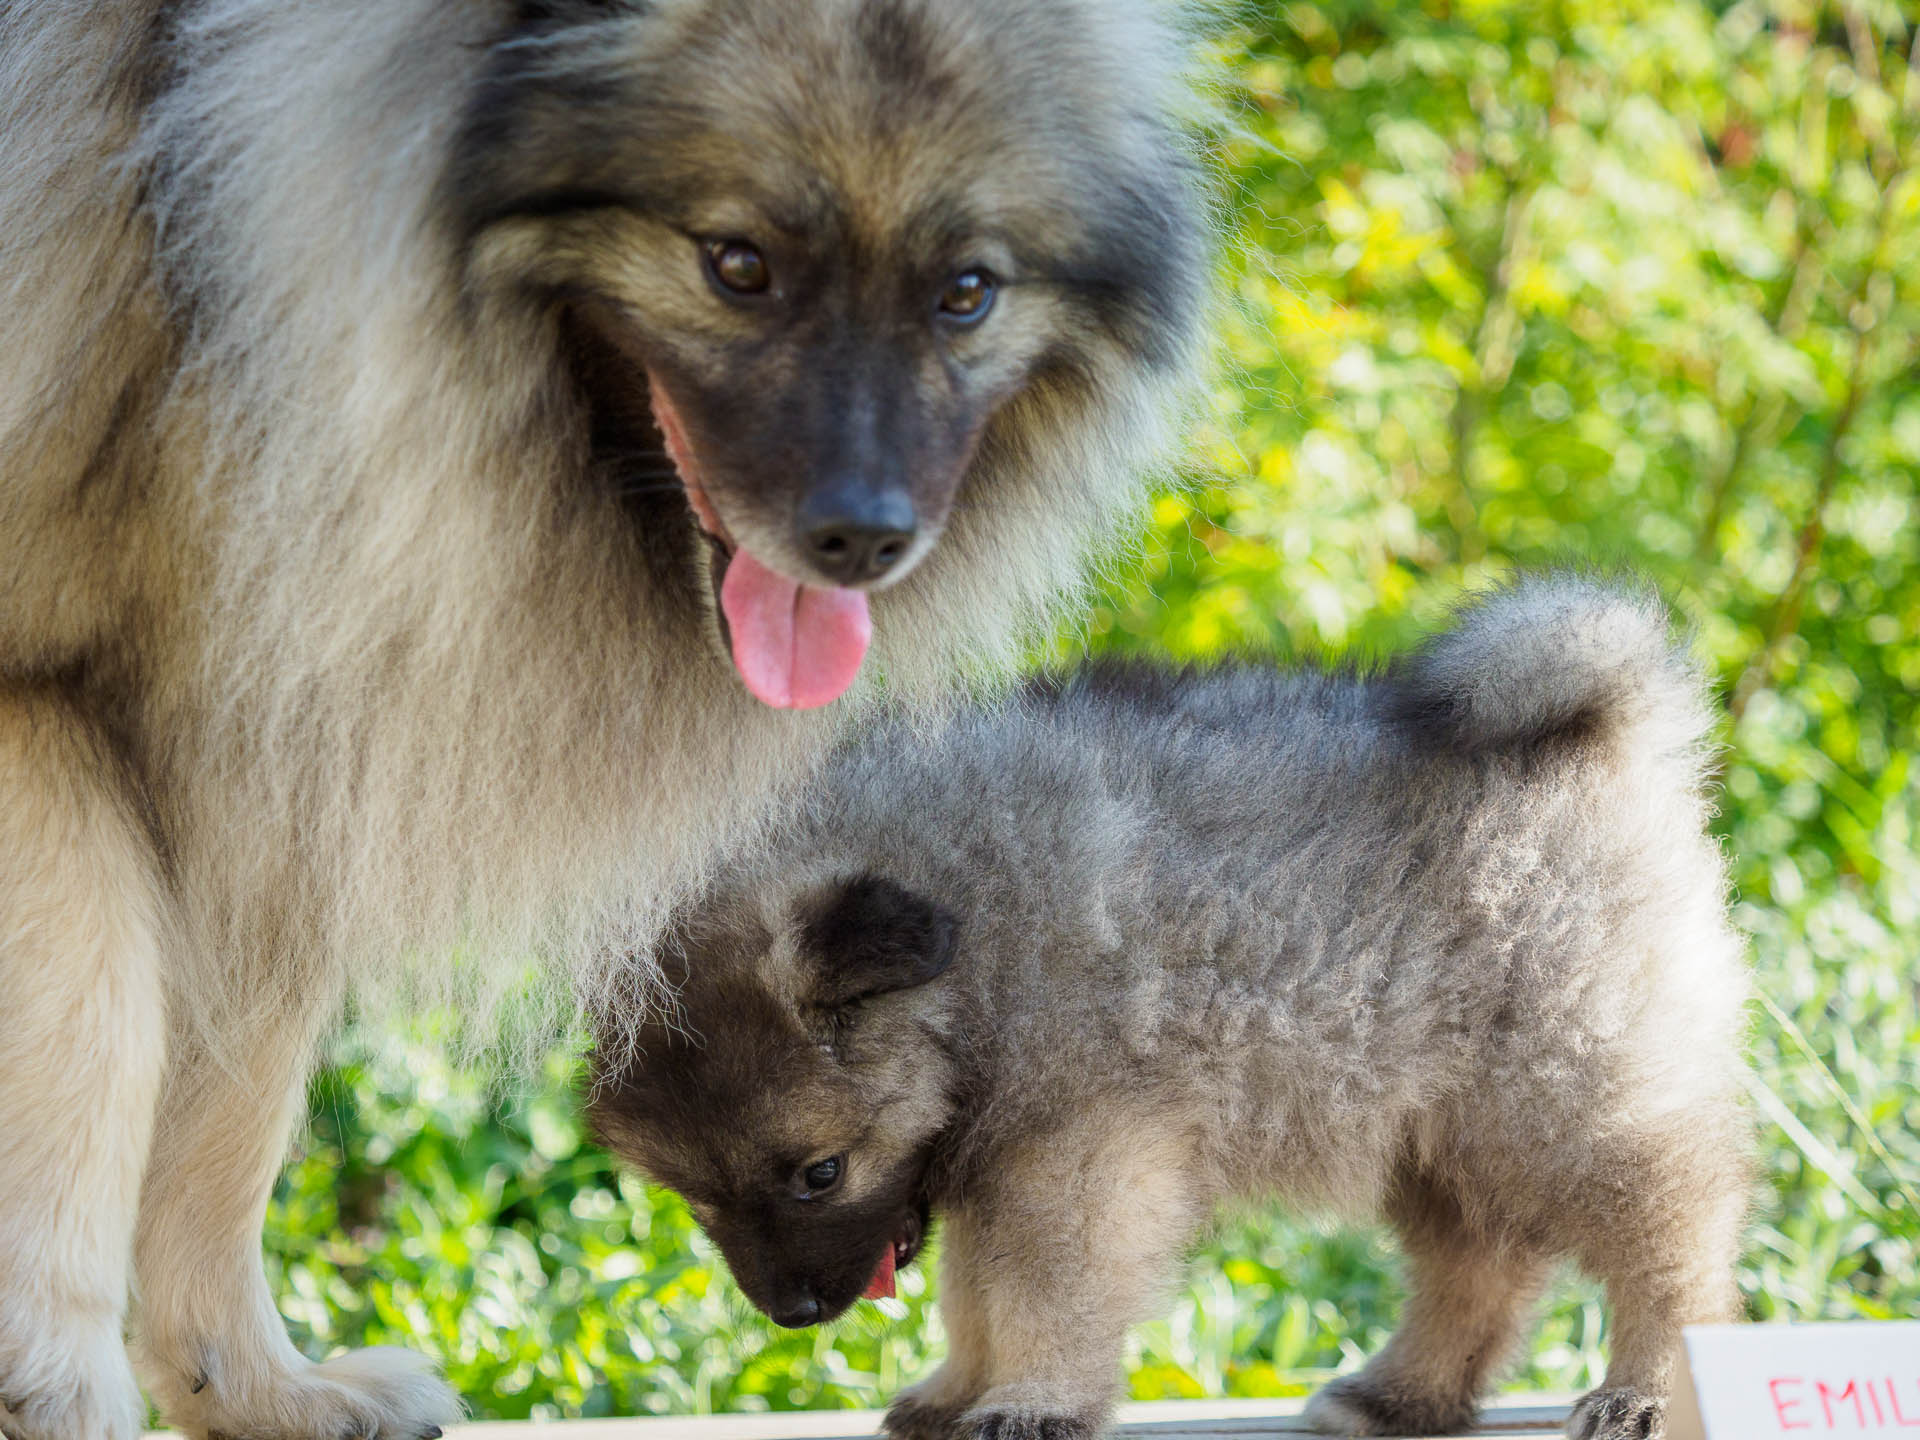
[[796, 646], [881, 1286]]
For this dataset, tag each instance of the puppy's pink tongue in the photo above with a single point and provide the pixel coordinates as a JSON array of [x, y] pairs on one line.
[[881, 1286], [797, 646]]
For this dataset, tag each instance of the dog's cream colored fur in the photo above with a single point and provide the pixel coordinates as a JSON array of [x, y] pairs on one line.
[[85, 1029], [318, 662]]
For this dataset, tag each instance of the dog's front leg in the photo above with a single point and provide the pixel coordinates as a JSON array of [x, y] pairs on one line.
[[213, 1348], [1070, 1239], [81, 1048]]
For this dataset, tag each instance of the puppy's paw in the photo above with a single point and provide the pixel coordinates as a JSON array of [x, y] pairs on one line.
[[380, 1394], [1026, 1422], [913, 1416], [1618, 1414], [66, 1380], [1369, 1404]]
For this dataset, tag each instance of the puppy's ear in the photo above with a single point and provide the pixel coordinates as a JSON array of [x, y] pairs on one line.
[[874, 936]]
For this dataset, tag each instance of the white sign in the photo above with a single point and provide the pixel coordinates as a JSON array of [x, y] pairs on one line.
[[1759, 1382]]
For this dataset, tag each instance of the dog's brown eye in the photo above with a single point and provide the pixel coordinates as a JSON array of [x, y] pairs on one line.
[[823, 1175], [968, 296], [737, 266]]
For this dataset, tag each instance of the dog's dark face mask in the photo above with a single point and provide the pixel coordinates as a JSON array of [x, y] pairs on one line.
[[806, 254], [800, 1125]]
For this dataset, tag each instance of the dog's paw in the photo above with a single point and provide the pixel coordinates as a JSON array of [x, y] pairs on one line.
[[1364, 1404], [66, 1381], [363, 1395], [1618, 1414]]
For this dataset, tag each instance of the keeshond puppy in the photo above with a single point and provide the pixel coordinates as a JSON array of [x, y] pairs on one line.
[[448, 451], [1446, 946]]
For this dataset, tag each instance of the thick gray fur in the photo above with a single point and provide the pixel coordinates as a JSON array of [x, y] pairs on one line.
[[1446, 946]]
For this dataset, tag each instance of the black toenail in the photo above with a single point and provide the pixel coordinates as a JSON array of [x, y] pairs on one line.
[[432, 1432], [199, 1384]]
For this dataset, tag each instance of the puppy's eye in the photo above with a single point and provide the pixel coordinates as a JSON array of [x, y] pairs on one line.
[[968, 296], [823, 1175], [737, 266]]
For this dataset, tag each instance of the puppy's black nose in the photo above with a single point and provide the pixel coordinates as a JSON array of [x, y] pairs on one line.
[[853, 534], [796, 1313]]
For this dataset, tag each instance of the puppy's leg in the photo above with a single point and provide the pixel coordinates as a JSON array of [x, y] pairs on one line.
[[80, 1064], [213, 1348], [931, 1410], [1664, 1236], [1077, 1237], [1468, 1298]]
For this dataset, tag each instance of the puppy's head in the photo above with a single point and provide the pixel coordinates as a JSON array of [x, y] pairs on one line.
[[807, 252], [796, 1097]]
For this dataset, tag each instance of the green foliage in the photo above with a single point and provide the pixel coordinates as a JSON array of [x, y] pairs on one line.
[[1511, 284]]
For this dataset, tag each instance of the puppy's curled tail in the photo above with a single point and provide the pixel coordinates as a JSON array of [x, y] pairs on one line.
[[1560, 658]]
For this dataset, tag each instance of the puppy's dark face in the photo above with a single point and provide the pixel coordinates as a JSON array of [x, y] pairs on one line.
[[806, 251], [797, 1098]]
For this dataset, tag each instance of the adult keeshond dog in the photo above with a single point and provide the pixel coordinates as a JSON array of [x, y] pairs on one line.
[[1448, 946], [449, 451]]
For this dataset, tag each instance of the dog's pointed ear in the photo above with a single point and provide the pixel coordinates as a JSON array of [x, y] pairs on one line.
[[874, 936]]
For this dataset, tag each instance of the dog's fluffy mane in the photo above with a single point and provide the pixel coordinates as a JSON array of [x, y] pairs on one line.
[[381, 689]]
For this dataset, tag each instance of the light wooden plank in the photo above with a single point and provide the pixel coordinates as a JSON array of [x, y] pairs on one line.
[[1530, 1417], [1524, 1418]]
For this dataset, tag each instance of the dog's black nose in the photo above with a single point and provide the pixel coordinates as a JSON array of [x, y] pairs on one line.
[[796, 1313], [853, 534]]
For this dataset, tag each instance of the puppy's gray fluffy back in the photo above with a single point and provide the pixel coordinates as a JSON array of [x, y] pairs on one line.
[[1373, 902]]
